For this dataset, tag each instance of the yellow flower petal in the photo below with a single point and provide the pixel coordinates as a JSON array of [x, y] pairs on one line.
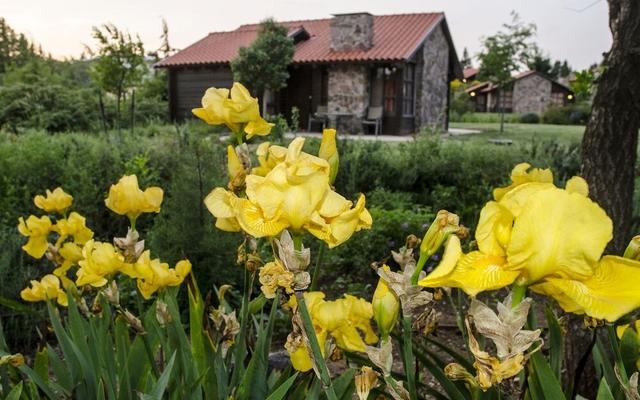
[[609, 294], [578, 185], [55, 201], [474, 273], [252, 220], [494, 229], [519, 176], [558, 234]]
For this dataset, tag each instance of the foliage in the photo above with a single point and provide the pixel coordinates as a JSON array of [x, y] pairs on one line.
[[543, 64], [263, 65], [574, 114], [15, 48], [583, 84], [506, 51], [120, 64], [530, 118], [460, 103]]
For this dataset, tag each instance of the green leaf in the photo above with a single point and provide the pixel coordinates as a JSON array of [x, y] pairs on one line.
[[629, 350], [161, 385], [457, 357], [41, 364], [546, 378], [605, 367], [604, 392], [15, 393], [556, 343], [17, 306], [60, 369], [282, 390], [449, 387], [254, 382], [344, 385]]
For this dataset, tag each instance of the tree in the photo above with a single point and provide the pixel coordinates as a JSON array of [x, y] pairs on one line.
[[263, 66], [120, 62], [543, 64], [15, 49], [465, 61], [505, 53], [583, 84], [610, 143]]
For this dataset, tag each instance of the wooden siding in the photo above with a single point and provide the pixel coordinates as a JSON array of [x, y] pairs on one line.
[[188, 87]]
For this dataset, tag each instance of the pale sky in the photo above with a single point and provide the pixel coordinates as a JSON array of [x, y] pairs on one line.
[[576, 30]]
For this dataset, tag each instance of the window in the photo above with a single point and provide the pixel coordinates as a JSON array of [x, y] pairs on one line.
[[408, 89], [389, 92]]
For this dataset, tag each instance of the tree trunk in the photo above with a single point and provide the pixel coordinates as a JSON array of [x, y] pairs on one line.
[[610, 143]]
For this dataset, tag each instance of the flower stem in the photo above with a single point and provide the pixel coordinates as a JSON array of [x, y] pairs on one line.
[[613, 339], [421, 262], [316, 271], [318, 359], [518, 292], [407, 356]]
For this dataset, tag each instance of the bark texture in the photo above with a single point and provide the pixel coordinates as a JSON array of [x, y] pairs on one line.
[[609, 147]]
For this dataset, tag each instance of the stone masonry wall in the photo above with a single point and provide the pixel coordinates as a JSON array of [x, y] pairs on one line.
[[351, 32], [433, 85], [348, 94], [531, 94]]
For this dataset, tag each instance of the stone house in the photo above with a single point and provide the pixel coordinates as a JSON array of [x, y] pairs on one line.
[[347, 63], [528, 92]]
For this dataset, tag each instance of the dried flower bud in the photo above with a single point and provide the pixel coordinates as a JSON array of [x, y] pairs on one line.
[[382, 357], [112, 294], [133, 321], [457, 372], [365, 380], [592, 323], [438, 294], [162, 313], [427, 322], [412, 242], [15, 360], [130, 246]]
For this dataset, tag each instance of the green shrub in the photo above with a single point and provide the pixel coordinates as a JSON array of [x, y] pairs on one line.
[[480, 117], [530, 118], [573, 114]]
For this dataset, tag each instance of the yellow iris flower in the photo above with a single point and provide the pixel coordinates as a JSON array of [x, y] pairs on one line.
[[126, 198], [295, 194], [154, 275], [272, 276], [71, 254], [75, 226], [268, 157], [233, 108], [549, 239], [344, 319], [48, 288], [56, 201], [37, 230], [100, 261]]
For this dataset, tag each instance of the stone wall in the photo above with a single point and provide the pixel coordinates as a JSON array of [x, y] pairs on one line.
[[351, 32], [432, 82], [348, 94], [531, 94]]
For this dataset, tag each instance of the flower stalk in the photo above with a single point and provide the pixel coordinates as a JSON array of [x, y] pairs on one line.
[[407, 356], [318, 359]]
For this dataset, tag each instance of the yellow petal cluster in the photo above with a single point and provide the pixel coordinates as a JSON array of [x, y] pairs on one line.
[[55, 201], [549, 238], [345, 319], [100, 261], [273, 276], [37, 230], [154, 275], [74, 226], [234, 108], [294, 194], [126, 198], [48, 288]]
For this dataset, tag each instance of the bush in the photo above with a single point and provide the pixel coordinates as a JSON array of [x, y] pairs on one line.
[[530, 118], [574, 114], [480, 117]]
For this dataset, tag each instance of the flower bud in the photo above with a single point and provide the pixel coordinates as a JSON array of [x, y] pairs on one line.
[[386, 307], [163, 316], [633, 249], [365, 381], [457, 372], [444, 225], [15, 360], [235, 169], [329, 152]]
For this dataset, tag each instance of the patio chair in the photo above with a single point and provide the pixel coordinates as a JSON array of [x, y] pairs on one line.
[[374, 117], [320, 116]]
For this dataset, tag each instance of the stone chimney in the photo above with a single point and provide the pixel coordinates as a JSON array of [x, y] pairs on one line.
[[351, 31]]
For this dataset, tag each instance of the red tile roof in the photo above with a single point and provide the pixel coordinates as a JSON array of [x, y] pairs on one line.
[[395, 38], [469, 72]]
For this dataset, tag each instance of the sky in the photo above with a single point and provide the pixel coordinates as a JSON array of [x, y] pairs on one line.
[[575, 30]]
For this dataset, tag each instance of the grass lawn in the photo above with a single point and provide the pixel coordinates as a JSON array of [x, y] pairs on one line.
[[520, 133]]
